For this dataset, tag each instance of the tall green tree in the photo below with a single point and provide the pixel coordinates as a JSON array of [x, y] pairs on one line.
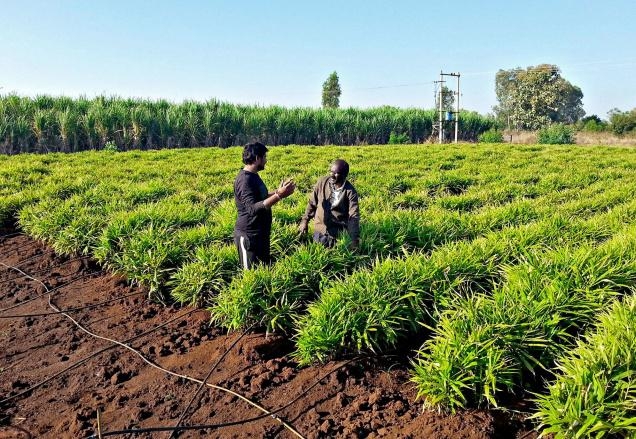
[[505, 83], [536, 97], [331, 92]]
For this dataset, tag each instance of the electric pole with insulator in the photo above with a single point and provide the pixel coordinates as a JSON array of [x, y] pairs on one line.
[[450, 115]]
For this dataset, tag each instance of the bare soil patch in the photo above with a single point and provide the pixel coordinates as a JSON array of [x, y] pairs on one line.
[[365, 398]]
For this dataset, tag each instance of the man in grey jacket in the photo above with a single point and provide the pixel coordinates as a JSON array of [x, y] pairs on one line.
[[334, 206]]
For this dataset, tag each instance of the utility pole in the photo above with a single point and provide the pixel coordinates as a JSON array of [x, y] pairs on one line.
[[441, 106], [457, 110]]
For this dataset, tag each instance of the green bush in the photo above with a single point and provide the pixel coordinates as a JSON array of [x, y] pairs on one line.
[[491, 136], [557, 134], [198, 281], [111, 146], [484, 345], [623, 122], [396, 139], [592, 124]]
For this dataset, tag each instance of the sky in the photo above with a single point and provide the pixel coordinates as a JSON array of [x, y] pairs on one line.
[[275, 52]]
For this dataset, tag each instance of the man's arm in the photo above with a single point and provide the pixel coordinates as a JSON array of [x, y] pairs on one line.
[[286, 188], [246, 193]]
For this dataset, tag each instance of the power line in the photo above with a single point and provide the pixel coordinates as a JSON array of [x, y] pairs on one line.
[[568, 67], [377, 87], [415, 84]]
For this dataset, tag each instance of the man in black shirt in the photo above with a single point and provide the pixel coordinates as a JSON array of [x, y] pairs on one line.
[[253, 202]]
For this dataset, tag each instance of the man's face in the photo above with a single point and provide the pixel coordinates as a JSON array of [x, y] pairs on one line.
[[337, 175], [260, 162]]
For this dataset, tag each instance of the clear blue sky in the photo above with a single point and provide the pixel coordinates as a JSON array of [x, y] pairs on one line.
[[280, 52]]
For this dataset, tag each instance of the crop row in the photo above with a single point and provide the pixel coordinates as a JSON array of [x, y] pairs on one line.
[[117, 195], [411, 291], [490, 344], [595, 387]]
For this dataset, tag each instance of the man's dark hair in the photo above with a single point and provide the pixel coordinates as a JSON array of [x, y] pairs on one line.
[[343, 165], [252, 151]]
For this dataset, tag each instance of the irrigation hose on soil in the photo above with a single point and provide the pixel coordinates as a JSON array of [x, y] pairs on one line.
[[37, 255], [94, 354], [81, 308], [147, 361], [169, 372], [19, 247], [273, 413], [43, 269], [48, 291], [10, 235], [205, 380]]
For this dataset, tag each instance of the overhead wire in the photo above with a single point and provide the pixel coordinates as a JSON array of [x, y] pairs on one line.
[[569, 67]]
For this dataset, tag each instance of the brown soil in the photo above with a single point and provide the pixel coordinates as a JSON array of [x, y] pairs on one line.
[[364, 398]]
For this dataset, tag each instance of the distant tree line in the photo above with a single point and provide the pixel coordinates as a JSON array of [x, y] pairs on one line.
[[49, 124], [619, 122]]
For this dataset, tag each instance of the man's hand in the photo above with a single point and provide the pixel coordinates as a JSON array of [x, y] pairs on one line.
[[302, 227], [286, 188]]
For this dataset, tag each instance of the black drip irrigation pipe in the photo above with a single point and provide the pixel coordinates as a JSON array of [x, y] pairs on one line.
[[51, 267], [94, 354], [77, 363], [20, 246], [272, 414], [94, 305], [169, 372], [10, 235], [32, 257], [139, 354], [49, 291], [527, 434], [207, 377]]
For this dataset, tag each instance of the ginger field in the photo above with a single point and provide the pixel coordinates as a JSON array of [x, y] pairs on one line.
[[503, 272]]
